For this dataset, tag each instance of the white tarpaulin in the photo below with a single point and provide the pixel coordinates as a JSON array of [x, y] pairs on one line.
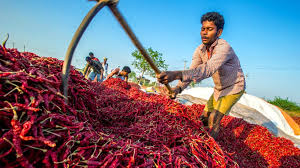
[[270, 116]]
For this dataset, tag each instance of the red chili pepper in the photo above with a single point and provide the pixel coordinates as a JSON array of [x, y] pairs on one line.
[[26, 107], [5, 74], [16, 131], [114, 125]]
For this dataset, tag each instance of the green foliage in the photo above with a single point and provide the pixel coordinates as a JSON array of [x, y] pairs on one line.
[[285, 104], [143, 81], [192, 84], [132, 76], [142, 65], [149, 84]]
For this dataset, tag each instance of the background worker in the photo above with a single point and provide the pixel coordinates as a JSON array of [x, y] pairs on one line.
[[214, 57], [93, 65], [123, 74], [105, 67], [87, 70]]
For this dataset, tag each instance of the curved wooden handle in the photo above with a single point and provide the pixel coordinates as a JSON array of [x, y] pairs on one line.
[[72, 46], [135, 41]]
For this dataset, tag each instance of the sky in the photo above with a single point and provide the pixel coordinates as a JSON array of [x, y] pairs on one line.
[[263, 33]]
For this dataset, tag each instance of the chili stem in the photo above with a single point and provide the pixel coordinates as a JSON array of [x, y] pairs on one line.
[[43, 150]]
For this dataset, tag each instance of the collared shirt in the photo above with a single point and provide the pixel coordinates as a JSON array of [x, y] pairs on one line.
[[223, 65]]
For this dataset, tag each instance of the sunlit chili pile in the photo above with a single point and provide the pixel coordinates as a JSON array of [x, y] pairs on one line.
[[115, 125]]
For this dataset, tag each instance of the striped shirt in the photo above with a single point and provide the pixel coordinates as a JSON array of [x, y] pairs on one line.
[[223, 65], [95, 60]]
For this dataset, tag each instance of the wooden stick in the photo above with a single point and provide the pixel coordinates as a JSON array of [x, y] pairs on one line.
[[72, 46], [121, 20]]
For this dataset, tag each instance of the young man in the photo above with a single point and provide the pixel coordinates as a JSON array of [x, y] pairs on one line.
[[95, 66], [120, 74], [105, 67], [215, 58]]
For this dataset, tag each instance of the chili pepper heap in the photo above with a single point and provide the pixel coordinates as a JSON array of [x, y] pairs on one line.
[[115, 125]]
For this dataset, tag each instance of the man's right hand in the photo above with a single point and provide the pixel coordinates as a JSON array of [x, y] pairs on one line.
[[166, 77], [176, 90]]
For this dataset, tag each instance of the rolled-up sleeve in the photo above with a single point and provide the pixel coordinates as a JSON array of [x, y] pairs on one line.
[[222, 53], [196, 61]]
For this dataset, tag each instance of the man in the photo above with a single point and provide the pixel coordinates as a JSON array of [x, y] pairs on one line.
[[215, 58], [105, 67], [95, 66], [123, 74]]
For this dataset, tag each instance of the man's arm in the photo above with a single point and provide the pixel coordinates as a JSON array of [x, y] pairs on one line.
[[221, 55], [196, 61], [86, 69], [114, 72]]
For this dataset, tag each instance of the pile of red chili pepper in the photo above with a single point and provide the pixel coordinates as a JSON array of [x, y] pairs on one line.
[[115, 125]]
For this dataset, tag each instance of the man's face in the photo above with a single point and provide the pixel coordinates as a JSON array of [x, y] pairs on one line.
[[124, 73], [92, 55], [209, 32]]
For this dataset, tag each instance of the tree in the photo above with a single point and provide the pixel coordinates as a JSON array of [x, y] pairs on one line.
[[142, 65], [132, 76], [193, 84]]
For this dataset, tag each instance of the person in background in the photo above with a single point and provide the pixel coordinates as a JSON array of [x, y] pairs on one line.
[[93, 65], [122, 74], [87, 70], [214, 57], [105, 67]]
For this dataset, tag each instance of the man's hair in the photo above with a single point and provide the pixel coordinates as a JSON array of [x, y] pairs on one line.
[[91, 53], [215, 17], [126, 69], [88, 59]]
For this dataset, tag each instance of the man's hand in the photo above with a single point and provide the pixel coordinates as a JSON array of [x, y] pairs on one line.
[[165, 92], [169, 76], [176, 90]]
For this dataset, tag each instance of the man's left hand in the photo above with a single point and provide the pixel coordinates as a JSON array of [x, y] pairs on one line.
[[169, 76]]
